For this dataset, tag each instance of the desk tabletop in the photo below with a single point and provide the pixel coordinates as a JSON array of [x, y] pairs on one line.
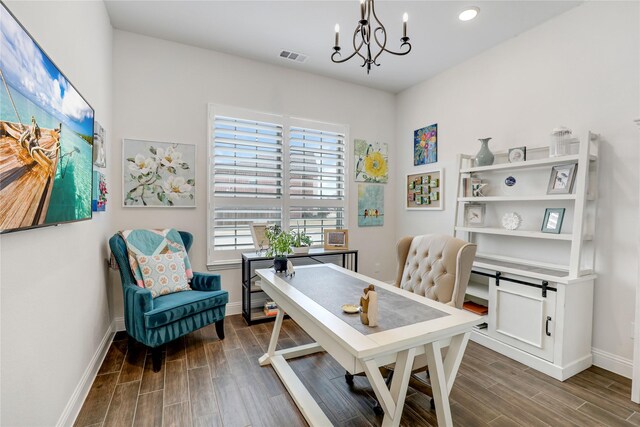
[[404, 318]]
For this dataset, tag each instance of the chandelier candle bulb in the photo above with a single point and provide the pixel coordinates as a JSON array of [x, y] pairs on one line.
[[337, 28], [405, 18], [362, 9]]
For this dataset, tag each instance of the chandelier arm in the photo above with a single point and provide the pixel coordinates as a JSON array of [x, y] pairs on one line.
[[356, 50], [401, 46], [381, 45]]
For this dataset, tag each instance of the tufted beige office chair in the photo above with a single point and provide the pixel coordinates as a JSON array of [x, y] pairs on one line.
[[437, 267]]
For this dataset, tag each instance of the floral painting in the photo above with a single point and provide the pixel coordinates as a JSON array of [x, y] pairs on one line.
[[99, 192], [158, 174], [370, 205], [371, 161], [425, 145]]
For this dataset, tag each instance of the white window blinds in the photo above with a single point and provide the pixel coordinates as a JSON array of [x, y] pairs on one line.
[[317, 178], [272, 169], [316, 164], [247, 158], [246, 178]]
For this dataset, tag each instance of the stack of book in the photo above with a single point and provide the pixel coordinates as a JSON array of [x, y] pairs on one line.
[[270, 308], [475, 308]]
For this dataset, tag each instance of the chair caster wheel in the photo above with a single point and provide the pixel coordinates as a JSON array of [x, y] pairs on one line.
[[378, 409], [349, 379]]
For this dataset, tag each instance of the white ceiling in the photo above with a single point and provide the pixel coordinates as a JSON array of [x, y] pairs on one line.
[[259, 30]]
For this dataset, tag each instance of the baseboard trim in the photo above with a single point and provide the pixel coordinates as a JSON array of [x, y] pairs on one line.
[[611, 362], [233, 308], [119, 324], [74, 405]]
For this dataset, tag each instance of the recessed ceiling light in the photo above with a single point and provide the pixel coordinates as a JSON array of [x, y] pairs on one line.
[[469, 14]]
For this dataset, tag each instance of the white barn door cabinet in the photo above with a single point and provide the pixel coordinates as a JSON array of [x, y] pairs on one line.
[[538, 286]]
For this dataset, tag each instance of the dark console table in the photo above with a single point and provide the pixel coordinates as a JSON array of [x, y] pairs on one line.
[[253, 297]]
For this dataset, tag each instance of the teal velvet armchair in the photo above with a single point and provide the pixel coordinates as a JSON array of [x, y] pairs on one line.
[[155, 322]]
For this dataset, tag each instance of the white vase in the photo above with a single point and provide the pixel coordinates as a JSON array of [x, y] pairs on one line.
[[300, 250]]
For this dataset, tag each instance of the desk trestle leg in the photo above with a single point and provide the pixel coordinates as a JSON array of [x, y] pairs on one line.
[[265, 359], [443, 374], [391, 400]]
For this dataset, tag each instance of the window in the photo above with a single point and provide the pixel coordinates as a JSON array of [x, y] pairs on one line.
[[272, 169]]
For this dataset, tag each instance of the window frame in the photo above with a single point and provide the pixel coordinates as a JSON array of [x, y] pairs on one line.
[[222, 259]]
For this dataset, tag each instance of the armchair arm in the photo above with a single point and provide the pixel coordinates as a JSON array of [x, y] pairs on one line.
[[206, 282], [137, 298], [137, 301]]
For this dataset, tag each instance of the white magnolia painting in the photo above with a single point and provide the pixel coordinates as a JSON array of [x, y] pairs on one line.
[[158, 174]]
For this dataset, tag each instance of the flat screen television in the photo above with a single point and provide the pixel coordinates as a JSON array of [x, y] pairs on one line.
[[46, 136]]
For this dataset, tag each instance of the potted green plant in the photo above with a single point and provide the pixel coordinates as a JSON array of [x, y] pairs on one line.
[[280, 243], [300, 241]]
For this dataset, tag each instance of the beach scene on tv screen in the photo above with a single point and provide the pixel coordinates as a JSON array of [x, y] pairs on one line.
[[46, 136]]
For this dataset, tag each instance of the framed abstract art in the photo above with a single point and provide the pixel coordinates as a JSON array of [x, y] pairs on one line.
[[425, 145]]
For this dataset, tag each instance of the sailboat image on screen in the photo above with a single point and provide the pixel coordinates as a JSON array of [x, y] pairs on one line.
[[46, 137], [32, 159]]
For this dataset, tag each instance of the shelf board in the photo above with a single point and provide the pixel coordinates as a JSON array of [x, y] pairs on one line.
[[517, 233], [554, 273], [544, 197], [258, 314], [527, 164], [478, 290]]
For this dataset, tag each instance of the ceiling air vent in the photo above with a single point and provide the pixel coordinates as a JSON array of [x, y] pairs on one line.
[[293, 56]]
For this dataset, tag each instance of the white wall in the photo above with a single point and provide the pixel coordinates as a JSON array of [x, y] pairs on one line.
[[579, 69], [161, 93], [53, 280]]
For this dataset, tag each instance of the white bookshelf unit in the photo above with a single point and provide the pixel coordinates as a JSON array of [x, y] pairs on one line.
[[538, 286]]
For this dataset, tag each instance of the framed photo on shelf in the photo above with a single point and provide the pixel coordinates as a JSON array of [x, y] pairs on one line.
[[474, 214], [552, 222], [562, 179], [517, 154], [424, 190], [258, 234], [336, 239]]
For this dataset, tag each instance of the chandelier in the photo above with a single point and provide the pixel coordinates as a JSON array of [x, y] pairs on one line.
[[364, 36]]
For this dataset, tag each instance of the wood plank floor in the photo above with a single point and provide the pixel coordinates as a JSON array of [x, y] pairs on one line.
[[208, 382]]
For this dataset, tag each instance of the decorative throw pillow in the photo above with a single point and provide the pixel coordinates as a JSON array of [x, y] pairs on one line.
[[163, 274]]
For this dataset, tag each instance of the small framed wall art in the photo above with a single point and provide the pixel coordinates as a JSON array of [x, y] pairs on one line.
[[425, 190], [371, 161], [425, 145], [99, 149], [335, 239], [370, 205], [99, 192]]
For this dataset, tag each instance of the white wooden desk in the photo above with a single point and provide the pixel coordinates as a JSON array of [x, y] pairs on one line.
[[409, 347]]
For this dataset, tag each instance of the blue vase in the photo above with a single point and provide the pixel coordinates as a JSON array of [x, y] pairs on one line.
[[485, 156]]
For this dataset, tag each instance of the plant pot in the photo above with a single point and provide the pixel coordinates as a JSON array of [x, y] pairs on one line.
[[300, 249], [280, 263]]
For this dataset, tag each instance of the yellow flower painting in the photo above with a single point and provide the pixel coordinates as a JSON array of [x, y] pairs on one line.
[[371, 161]]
